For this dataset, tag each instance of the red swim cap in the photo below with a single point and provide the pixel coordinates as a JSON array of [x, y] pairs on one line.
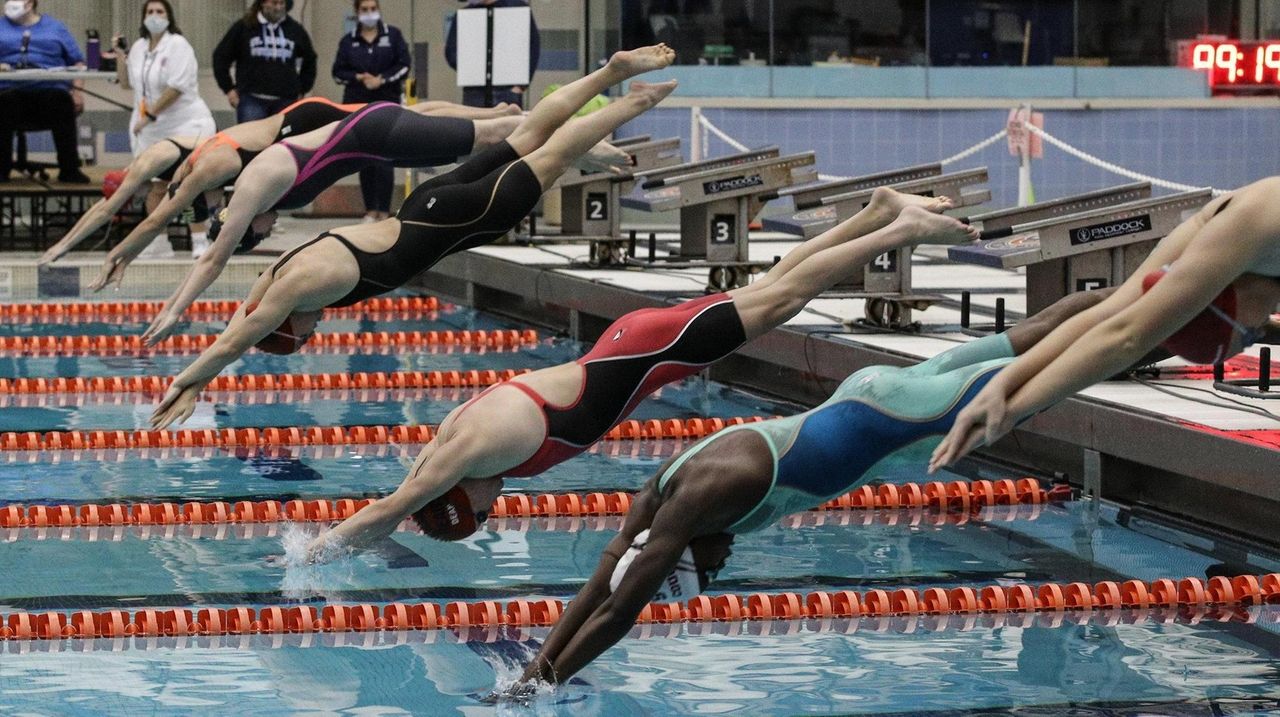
[[284, 340], [111, 182], [449, 517], [1207, 337]]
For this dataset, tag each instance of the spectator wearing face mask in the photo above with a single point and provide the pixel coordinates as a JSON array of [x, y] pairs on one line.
[[161, 70], [273, 59], [371, 65], [29, 39]]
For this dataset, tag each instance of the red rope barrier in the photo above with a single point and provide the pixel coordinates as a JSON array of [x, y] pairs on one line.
[[112, 345]]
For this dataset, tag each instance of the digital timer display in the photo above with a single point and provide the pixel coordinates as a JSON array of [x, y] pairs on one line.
[[1233, 63]]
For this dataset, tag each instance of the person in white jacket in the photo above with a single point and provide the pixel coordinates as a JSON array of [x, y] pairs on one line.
[[161, 70]]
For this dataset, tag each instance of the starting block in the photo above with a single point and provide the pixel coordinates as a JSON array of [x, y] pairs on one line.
[[812, 217], [717, 199], [1078, 250], [590, 202]]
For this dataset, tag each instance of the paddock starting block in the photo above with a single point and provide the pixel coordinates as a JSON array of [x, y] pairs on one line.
[[1072, 250], [717, 199], [811, 217], [590, 202]]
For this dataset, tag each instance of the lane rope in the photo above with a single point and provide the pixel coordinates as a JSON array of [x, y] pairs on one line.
[[65, 312], [111, 345], [913, 517], [263, 382], [882, 624], [961, 496], [320, 435], [624, 448], [1215, 596]]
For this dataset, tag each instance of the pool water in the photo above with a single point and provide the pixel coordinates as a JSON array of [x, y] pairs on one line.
[[984, 666]]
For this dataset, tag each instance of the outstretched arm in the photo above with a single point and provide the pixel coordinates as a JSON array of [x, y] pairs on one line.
[[119, 258], [256, 191], [439, 467], [1104, 340], [276, 300], [598, 618]]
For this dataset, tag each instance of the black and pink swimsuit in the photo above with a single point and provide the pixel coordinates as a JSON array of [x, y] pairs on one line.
[[379, 132]]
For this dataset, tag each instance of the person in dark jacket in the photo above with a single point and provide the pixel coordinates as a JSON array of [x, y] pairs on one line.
[[371, 65], [474, 96], [274, 61]]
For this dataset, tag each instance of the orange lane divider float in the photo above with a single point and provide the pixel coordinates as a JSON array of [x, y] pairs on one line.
[[253, 398], [935, 495], [954, 495], [563, 523], [497, 339], [318, 435], [264, 382], [1222, 594], [635, 448], [102, 310], [879, 624]]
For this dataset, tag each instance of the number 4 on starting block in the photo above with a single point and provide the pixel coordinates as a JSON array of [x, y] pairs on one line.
[[1022, 140]]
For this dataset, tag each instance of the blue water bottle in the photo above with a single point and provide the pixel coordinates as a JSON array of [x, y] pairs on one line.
[[93, 50]]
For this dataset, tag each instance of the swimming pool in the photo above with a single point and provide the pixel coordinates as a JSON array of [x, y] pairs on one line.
[[987, 664]]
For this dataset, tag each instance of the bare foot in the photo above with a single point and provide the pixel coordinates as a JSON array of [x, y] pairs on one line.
[[509, 109], [892, 202], [925, 227], [642, 59], [650, 93]]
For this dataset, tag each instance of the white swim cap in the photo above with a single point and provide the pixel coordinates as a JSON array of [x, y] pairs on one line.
[[682, 584]]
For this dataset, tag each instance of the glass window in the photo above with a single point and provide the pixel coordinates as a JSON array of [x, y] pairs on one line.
[[866, 32], [1007, 32], [702, 32], [1141, 32]]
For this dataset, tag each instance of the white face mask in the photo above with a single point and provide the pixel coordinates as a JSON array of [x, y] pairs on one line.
[[15, 9], [156, 24], [369, 19]]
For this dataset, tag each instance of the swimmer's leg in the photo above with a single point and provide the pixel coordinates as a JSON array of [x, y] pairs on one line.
[[558, 107], [573, 140], [885, 206], [761, 309]]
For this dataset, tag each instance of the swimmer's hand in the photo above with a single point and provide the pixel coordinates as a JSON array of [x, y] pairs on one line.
[[51, 255], [161, 327], [178, 404], [521, 693], [604, 157], [112, 272], [984, 421]]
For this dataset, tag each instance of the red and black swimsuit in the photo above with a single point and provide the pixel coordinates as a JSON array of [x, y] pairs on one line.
[[636, 355]]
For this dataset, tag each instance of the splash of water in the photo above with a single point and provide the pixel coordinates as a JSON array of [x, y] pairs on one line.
[[330, 569]]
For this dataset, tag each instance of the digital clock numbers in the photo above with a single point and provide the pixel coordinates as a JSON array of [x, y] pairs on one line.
[[1233, 63]]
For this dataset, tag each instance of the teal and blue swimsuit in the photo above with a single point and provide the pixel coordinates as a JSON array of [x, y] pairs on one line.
[[827, 450]]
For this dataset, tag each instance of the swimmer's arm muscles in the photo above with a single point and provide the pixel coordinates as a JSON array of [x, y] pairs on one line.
[[438, 468], [1125, 332], [240, 335], [157, 220], [609, 622], [1027, 333], [595, 591], [249, 196]]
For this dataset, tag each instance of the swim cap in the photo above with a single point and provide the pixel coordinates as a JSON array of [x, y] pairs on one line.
[[284, 340], [449, 517], [683, 583], [111, 182], [248, 240], [1207, 337]]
